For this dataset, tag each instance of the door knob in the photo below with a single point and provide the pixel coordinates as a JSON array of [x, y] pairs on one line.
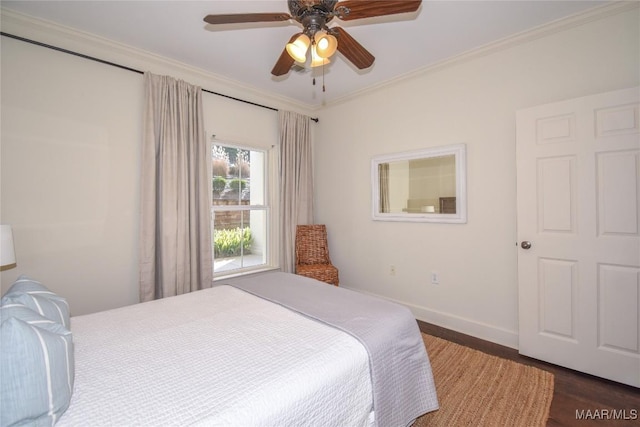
[[525, 244]]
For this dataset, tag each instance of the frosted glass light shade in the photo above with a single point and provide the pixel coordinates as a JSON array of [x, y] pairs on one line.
[[298, 49], [326, 44], [317, 60]]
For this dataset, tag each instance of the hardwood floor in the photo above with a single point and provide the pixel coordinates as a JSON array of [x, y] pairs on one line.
[[578, 399]]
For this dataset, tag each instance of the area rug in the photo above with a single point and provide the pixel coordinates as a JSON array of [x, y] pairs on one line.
[[477, 389]]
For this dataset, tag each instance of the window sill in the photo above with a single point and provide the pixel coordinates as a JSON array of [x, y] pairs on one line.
[[243, 272]]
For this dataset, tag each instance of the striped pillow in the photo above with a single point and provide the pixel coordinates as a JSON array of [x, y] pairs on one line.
[[37, 297], [36, 367]]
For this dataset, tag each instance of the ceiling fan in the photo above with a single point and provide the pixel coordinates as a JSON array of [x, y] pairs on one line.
[[314, 15]]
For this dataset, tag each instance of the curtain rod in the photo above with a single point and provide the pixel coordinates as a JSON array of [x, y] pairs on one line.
[[113, 64]]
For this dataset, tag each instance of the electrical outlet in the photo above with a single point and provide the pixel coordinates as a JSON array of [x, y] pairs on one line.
[[435, 278], [392, 270]]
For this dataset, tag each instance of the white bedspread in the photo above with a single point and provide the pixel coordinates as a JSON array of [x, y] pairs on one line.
[[217, 357]]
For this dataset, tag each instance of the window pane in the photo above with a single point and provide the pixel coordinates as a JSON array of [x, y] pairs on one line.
[[240, 239], [238, 176]]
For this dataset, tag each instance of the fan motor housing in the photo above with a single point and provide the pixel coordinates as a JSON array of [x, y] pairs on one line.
[[312, 13]]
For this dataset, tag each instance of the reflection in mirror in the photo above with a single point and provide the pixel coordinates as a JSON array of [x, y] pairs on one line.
[[426, 185]]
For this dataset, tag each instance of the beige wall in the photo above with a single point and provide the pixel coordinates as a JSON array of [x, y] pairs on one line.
[[70, 142], [472, 101]]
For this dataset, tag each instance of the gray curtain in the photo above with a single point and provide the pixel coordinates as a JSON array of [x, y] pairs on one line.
[[296, 182], [175, 214]]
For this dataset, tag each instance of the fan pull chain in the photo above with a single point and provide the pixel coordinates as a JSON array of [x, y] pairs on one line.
[[323, 76], [313, 46], [323, 63]]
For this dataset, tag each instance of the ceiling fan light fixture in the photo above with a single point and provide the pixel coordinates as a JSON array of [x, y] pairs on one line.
[[313, 16], [298, 48], [326, 44]]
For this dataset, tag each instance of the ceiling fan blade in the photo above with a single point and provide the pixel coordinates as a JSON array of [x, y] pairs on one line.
[[240, 18], [285, 62], [352, 50], [359, 9]]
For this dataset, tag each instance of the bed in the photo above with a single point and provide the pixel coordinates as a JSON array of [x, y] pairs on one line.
[[274, 349]]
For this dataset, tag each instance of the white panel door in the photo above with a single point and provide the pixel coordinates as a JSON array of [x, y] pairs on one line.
[[578, 170]]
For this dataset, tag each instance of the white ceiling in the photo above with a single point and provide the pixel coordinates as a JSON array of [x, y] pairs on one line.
[[247, 52]]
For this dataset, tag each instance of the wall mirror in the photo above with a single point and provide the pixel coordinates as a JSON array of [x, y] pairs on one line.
[[426, 185]]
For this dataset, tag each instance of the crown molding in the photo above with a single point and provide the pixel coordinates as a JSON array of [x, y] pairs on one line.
[[579, 19], [86, 43]]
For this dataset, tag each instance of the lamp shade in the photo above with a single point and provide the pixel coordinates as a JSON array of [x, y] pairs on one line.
[[326, 44], [7, 252], [316, 60], [298, 48]]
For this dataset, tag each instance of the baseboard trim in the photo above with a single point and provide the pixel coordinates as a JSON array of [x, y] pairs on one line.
[[457, 323], [465, 326]]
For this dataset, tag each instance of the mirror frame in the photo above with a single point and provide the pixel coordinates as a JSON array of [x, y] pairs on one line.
[[459, 151]]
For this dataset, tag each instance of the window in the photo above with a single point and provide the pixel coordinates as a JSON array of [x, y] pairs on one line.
[[241, 212]]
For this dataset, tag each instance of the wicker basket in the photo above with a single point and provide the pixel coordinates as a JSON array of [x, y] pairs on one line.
[[312, 254]]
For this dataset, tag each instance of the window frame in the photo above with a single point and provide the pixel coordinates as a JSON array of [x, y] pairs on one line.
[[269, 207]]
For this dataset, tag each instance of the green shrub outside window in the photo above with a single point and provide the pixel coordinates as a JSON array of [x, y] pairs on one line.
[[232, 242]]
